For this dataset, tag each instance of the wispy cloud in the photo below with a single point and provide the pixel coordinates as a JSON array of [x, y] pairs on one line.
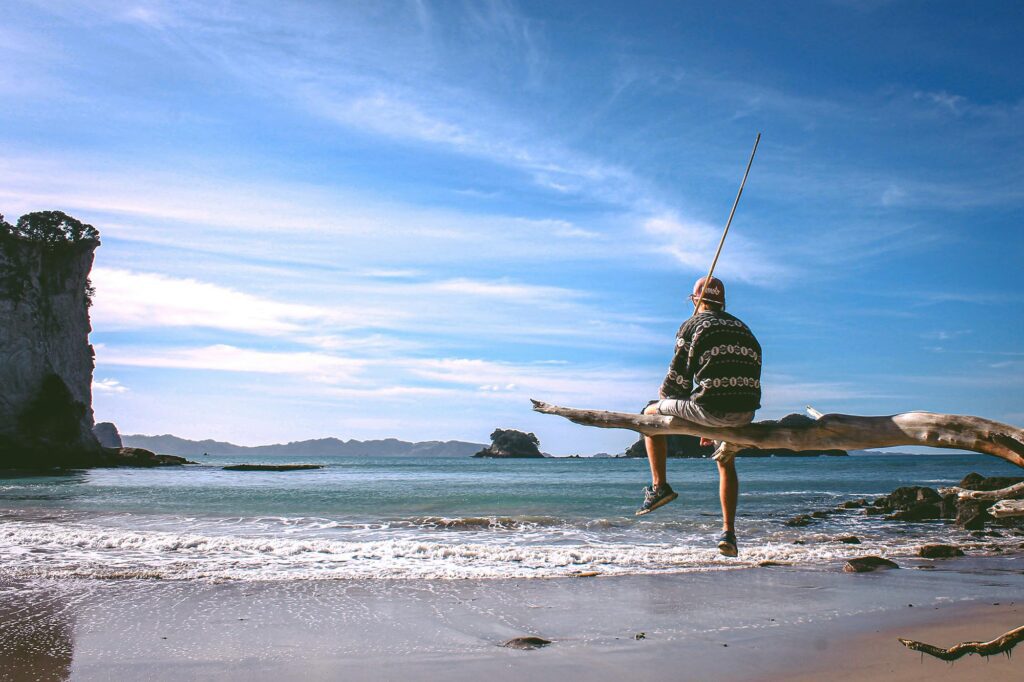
[[506, 290], [141, 300], [109, 386], [317, 225], [945, 335], [693, 244], [783, 393], [322, 367], [371, 316], [331, 375], [953, 103]]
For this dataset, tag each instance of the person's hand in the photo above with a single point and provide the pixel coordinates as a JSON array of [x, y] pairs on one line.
[[706, 442]]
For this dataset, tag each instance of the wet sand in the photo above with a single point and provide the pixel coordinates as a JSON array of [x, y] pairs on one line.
[[753, 624]]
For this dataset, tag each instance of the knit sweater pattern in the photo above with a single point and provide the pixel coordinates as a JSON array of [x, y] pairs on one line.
[[717, 364]]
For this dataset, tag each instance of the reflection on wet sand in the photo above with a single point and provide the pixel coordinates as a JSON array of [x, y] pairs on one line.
[[36, 634]]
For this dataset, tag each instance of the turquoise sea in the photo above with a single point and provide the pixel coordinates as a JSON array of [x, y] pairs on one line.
[[409, 518]]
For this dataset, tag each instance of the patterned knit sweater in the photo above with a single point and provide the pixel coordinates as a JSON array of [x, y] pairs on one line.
[[717, 364]]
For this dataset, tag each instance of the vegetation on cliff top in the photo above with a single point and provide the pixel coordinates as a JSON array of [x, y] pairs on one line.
[[50, 227], [56, 231]]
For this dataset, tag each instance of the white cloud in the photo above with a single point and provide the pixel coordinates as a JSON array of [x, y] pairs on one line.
[[399, 311], [953, 103], [945, 335], [109, 386], [300, 223], [334, 375], [141, 300], [893, 196], [321, 367], [782, 394], [693, 245], [552, 382], [506, 290]]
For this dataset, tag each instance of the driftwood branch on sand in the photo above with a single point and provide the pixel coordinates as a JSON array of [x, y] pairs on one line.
[[823, 431], [1012, 492], [1005, 508], [1009, 499], [999, 645]]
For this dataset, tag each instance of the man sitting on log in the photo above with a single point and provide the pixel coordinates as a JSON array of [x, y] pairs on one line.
[[715, 380]]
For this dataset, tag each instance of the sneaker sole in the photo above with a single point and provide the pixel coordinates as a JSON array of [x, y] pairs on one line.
[[727, 550], [660, 503]]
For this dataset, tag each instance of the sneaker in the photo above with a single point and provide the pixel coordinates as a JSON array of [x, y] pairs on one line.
[[727, 543], [656, 497]]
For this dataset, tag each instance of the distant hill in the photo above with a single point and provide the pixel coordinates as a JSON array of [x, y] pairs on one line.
[[320, 447]]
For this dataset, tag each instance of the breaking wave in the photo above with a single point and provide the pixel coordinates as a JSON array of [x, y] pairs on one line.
[[83, 550]]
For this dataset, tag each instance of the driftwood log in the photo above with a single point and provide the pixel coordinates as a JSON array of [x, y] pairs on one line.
[[1012, 492], [823, 431], [1005, 508], [999, 645]]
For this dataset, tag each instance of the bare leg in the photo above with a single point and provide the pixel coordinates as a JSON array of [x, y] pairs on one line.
[[657, 453], [728, 491]]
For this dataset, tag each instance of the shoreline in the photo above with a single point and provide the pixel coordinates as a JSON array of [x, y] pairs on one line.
[[771, 623]]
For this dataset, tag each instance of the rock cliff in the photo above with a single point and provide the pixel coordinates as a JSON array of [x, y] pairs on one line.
[[46, 362]]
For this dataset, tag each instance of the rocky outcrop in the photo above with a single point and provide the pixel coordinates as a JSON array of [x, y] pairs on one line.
[[106, 433], [866, 564], [529, 643], [921, 503], [938, 551], [137, 457], [46, 361], [973, 514], [690, 447], [511, 444], [799, 521]]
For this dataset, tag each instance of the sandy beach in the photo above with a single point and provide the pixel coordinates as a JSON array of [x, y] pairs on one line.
[[752, 624]]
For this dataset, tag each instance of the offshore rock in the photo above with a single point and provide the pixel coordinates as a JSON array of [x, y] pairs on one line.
[[511, 444], [939, 551], [137, 457], [46, 362], [907, 497], [106, 433], [922, 511], [975, 481], [866, 564], [526, 643], [972, 514]]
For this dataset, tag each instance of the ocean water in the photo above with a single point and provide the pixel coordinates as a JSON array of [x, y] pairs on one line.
[[412, 518]]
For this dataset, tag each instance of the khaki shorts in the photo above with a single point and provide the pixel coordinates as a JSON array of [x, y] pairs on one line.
[[692, 412]]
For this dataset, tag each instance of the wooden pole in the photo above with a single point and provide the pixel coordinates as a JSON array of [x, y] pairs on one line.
[[721, 242]]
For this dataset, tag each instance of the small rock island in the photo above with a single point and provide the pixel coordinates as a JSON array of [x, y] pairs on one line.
[[512, 444]]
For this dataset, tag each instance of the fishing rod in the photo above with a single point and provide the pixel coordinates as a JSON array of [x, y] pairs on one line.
[[718, 252]]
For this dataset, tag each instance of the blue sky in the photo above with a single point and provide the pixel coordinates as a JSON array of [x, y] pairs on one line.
[[406, 218]]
